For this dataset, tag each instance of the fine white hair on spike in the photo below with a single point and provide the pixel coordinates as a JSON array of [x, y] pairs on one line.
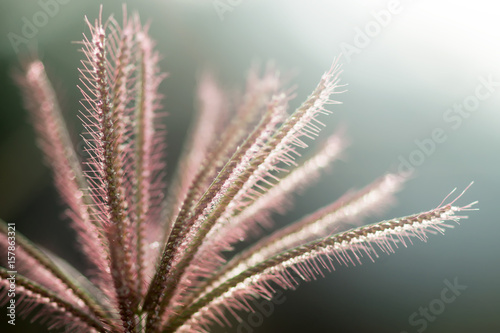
[[277, 195]]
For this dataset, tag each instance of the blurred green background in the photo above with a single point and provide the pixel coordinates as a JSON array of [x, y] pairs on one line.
[[407, 64]]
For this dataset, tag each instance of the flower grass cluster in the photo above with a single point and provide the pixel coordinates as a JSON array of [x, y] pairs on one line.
[[159, 253]]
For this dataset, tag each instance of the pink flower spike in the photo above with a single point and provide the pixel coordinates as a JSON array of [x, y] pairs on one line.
[[160, 256]]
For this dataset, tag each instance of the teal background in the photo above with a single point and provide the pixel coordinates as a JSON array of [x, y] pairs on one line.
[[400, 86]]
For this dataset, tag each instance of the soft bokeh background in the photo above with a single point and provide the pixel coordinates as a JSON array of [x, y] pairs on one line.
[[401, 83]]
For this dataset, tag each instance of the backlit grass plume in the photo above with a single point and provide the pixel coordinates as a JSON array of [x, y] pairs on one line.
[[158, 252]]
